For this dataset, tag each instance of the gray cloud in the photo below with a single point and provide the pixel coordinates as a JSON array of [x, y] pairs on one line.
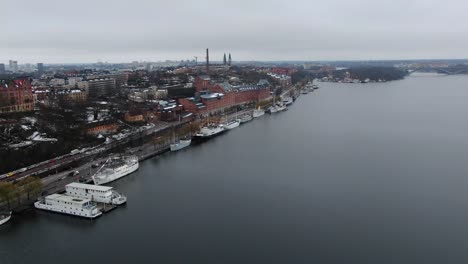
[[87, 31]]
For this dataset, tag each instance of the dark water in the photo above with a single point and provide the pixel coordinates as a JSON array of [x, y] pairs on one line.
[[374, 173]]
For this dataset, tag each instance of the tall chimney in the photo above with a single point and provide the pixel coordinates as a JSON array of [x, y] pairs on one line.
[[207, 61]]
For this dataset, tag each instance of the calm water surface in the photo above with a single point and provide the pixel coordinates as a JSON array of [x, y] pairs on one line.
[[353, 173]]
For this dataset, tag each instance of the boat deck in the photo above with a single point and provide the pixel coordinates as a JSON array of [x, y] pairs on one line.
[[105, 208]]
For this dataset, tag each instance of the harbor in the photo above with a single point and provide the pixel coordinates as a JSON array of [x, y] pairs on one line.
[[107, 169], [338, 165]]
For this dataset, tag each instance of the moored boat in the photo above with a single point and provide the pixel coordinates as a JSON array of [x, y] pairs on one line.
[[231, 124], [5, 217], [96, 193], [287, 101], [210, 131], [65, 204], [245, 118], [115, 168], [180, 144], [258, 112]]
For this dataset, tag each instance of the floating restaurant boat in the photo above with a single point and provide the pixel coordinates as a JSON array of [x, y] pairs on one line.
[[258, 112], [180, 144], [65, 204], [100, 194], [115, 168], [5, 217]]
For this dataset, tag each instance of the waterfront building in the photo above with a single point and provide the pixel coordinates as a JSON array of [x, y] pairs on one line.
[[213, 97], [16, 96], [101, 87], [2, 68]]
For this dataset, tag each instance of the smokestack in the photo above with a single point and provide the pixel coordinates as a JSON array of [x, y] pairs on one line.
[[207, 61]]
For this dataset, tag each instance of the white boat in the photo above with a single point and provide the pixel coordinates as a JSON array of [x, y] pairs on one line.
[[281, 108], [5, 217], [273, 109], [210, 131], [258, 112], [309, 87], [287, 100], [231, 124], [115, 168], [180, 144], [245, 118], [277, 108], [96, 193], [65, 204]]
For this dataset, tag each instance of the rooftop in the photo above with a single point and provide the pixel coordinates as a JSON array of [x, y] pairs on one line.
[[68, 199], [212, 95], [89, 186]]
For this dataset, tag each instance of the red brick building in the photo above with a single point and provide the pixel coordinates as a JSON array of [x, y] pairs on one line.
[[102, 127], [211, 97], [16, 96]]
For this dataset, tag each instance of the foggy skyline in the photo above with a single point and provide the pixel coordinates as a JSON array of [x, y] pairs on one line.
[[122, 31]]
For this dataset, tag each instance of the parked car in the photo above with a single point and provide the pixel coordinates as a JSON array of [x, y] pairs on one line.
[[73, 173]]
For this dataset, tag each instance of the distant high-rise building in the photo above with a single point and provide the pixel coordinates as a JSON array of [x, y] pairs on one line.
[[229, 60], [40, 68], [2, 68], [224, 59], [13, 66]]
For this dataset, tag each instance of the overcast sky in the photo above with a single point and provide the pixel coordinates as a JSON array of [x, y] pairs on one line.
[[54, 31]]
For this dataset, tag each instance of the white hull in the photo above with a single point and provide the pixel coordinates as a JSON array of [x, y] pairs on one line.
[[5, 219], [281, 108], [66, 210], [207, 132], [288, 101], [258, 113], [278, 108], [180, 145], [245, 119], [110, 176], [70, 205], [231, 125]]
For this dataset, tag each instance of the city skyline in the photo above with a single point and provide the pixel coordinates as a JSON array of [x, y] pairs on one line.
[[260, 30]]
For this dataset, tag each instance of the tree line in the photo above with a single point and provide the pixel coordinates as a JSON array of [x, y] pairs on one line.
[[31, 187]]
